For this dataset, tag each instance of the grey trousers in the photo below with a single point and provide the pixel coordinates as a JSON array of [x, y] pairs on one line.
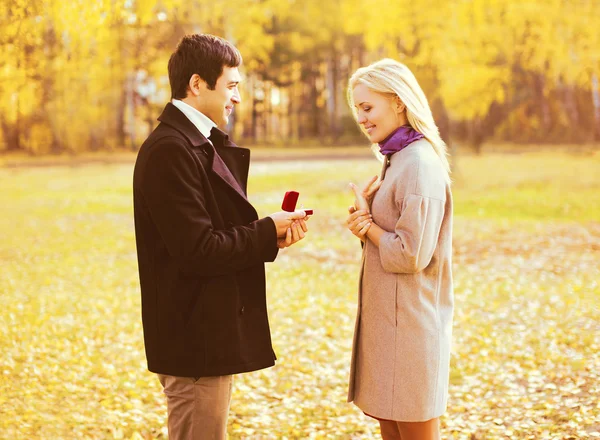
[[197, 409]]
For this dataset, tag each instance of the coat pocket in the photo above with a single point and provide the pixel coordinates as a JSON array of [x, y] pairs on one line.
[[194, 302]]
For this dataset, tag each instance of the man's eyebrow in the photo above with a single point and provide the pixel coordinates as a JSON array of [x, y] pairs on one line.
[[233, 82]]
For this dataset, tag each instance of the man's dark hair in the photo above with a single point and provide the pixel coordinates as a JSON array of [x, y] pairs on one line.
[[203, 54]]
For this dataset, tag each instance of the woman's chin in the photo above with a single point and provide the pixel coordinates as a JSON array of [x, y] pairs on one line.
[[374, 139]]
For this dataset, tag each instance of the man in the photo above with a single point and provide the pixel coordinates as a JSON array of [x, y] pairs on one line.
[[201, 246]]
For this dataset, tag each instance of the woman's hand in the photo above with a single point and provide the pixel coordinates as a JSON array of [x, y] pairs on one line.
[[363, 198], [359, 222]]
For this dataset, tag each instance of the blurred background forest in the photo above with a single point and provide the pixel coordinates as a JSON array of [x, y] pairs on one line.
[[92, 75]]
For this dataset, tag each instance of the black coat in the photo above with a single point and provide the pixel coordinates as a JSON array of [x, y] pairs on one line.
[[201, 253]]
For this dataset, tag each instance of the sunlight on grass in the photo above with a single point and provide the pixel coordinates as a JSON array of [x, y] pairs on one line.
[[527, 324]]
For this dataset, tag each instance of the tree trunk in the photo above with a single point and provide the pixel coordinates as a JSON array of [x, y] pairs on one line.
[[542, 103], [47, 110], [596, 101], [10, 134], [267, 112], [130, 111], [254, 126], [308, 105], [121, 78], [316, 113], [330, 93], [569, 104], [120, 117], [293, 111], [476, 135]]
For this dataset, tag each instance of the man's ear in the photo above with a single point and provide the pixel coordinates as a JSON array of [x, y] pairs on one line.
[[196, 84]]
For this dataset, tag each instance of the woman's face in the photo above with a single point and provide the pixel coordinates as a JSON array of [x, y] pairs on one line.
[[378, 114]]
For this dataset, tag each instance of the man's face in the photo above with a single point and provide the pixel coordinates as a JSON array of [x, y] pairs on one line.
[[218, 104]]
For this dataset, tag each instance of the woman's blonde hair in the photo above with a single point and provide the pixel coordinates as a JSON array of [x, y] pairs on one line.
[[390, 77]]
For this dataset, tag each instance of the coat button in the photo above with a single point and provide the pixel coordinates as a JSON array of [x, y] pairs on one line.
[[242, 310]]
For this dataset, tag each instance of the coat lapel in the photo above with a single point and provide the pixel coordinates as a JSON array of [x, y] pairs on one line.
[[231, 162], [172, 116], [237, 160], [219, 167]]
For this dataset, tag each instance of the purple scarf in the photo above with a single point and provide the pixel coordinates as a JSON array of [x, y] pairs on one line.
[[398, 139]]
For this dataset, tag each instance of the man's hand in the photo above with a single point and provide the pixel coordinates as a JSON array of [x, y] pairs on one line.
[[359, 222], [283, 221], [294, 234]]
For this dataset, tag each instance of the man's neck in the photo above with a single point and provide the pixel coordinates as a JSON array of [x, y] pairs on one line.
[[191, 103], [202, 122]]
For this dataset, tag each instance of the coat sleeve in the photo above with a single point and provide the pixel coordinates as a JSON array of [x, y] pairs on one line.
[[410, 248], [173, 191]]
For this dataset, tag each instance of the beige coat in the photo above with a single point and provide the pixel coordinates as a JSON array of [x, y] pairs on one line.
[[401, 352]]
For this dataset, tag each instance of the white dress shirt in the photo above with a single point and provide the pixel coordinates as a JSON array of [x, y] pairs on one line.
[[196, 117]]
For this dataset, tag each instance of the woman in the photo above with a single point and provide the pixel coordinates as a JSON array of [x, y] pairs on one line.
[[401, 354]]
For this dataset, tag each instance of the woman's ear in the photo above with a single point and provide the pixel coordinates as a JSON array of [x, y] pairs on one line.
[[399, 105]]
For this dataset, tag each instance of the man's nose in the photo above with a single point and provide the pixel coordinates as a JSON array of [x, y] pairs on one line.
[[236, 98]]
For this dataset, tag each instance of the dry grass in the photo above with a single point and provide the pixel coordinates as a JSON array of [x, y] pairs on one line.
[[527, 325]]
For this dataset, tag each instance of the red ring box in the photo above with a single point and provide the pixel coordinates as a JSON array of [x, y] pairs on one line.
[[289, 203]]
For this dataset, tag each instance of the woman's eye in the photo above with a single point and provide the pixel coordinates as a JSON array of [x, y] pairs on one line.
[[367, 109]]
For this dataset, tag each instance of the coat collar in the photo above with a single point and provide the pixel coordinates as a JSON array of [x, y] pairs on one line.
[[173, 117]]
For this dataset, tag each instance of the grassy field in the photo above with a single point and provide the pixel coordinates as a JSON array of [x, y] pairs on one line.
[[526, 362]]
